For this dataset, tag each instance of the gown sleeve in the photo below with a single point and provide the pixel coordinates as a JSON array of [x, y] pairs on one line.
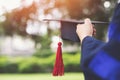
[[89, 47]]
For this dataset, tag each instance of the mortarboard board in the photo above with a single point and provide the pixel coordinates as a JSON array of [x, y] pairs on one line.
[[68, 28]]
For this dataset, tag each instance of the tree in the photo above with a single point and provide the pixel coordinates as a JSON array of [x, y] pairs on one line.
[[16, 21]]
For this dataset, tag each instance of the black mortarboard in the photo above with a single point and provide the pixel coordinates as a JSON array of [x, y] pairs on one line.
[[68, 28]]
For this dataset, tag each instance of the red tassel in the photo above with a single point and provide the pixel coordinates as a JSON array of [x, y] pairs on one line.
[[59, 66]]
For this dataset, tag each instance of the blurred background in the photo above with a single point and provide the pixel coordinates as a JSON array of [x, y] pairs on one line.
[[28, 45]]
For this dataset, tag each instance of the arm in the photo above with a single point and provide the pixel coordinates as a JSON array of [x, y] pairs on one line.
[[89, 44], [84, 30], [89, 48]]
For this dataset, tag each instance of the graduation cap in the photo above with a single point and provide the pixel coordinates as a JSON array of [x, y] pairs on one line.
[[68, 28], [68, 32]]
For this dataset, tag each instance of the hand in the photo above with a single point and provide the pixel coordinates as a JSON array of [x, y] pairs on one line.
[[86, 29]]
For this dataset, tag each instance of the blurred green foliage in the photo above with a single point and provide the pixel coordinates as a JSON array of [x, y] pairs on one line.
[[8, 66], [38, 64], [43, 52]]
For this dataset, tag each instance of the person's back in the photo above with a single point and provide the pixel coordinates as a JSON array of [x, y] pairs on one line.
[[101, 61]]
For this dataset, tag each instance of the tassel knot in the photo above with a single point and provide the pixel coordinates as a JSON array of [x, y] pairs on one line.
[[59, 44]]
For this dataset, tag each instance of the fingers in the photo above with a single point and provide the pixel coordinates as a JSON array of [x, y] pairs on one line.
[[94, 31], [87, 21], [86, 29]]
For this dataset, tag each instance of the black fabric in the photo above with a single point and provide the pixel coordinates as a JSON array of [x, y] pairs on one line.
[[68, 31]]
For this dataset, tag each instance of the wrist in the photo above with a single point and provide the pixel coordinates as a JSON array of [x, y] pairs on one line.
[[82, 37]]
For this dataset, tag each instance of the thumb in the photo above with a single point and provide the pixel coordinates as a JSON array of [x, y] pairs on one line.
[[87, 21]]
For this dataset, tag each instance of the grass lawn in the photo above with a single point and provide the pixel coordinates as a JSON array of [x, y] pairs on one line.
[[45, 76]]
